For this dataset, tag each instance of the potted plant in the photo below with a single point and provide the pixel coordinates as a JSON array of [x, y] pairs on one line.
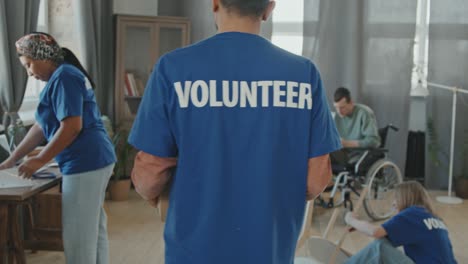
[[461, 183], [434, 149], [120, 181], [119, 186]]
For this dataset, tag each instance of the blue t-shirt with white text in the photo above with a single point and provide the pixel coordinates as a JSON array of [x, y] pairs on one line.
[[243, 117], [424, 237], [68, 93]]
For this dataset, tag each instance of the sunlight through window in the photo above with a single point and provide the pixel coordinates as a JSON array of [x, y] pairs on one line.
[[288, 20]]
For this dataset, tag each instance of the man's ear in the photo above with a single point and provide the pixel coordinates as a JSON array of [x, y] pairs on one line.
[[268, 10], [215, 5]]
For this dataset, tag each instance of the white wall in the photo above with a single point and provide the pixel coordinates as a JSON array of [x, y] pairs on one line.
[[201, 17], [171, 7], [136, 7]]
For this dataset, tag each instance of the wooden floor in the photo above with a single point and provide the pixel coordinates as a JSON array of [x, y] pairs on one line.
[[135, 233]]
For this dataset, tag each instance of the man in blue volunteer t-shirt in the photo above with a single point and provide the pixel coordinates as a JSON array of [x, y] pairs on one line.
[[249, 128]]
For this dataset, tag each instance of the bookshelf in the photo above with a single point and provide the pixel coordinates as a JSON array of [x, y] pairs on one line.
[[140, 41]]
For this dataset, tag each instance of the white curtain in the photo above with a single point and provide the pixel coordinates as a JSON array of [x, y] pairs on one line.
[[17, 18], [96, 30], [366, 46]]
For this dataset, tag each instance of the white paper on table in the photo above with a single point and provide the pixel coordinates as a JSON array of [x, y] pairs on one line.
[[9, 179]]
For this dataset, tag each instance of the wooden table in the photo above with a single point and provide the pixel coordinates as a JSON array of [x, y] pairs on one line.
[[11, 201]]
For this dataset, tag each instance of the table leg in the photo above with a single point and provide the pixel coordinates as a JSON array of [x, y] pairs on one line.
[[10, 250], [16, 238], [3, 231]]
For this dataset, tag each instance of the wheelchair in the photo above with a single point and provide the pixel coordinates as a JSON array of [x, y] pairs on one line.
[[370, 167]]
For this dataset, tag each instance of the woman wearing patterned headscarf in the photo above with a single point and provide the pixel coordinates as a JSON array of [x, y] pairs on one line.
[[69, 119]]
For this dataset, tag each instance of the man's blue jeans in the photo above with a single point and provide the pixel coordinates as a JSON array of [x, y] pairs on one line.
[[84, 220]]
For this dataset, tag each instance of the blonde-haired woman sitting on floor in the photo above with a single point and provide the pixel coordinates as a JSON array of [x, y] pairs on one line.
[[416, 227]]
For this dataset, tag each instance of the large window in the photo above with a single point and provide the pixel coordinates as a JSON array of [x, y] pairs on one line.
[[288, 21]]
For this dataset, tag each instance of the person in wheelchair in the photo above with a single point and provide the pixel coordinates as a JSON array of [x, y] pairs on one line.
[[357, 126], [363, 160], [356, 123]]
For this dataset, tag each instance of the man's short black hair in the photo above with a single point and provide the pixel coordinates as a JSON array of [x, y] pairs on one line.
[[253, 8], [341, 93]]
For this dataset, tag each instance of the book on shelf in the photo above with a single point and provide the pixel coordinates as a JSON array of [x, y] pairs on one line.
[[127, 86], [131, 85], [140, 86]]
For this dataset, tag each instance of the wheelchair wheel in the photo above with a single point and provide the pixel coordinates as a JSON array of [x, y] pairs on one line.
[[381, 177]]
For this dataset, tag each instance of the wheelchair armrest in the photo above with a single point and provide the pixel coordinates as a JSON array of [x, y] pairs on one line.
[[378, 150], [365, 149]]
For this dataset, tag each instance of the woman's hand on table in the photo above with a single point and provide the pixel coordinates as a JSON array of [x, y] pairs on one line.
[[8, 163], [30, 166]]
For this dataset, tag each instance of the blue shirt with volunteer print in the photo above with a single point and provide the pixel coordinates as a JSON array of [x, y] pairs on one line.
[[243, 117], [68, 93], [424, 237]]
